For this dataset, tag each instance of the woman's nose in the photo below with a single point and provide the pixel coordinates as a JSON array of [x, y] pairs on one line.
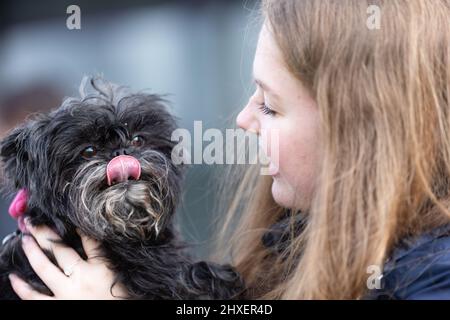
[[246, 120]]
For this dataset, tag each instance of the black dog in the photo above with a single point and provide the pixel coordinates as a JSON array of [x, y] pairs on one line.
[[103, 164]]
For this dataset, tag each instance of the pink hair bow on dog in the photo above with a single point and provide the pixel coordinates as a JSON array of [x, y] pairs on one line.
[[18, 208]]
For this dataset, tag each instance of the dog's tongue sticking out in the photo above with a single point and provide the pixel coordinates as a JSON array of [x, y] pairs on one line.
[[18, 208], [122, 169]]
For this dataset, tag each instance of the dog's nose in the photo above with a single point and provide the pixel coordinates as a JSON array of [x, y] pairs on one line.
[[121, 152]]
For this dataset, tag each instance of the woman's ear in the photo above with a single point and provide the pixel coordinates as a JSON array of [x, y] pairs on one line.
[[14, 155]]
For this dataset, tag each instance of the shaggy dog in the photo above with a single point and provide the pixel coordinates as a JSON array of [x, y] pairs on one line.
[[103, 164]]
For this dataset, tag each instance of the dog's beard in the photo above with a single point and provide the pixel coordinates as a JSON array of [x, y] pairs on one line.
[[133, 210]]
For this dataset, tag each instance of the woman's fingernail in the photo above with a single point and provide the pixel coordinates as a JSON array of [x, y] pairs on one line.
[[12, 277]]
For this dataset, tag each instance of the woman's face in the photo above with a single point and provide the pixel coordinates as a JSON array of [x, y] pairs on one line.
[[281, 103]]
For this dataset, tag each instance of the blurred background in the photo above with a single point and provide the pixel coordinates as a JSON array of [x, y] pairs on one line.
[[199, 52]]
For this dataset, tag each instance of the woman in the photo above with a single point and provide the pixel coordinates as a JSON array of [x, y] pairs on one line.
[[364, 160]]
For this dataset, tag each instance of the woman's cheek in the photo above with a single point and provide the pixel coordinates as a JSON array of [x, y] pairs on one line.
[[298, 169]]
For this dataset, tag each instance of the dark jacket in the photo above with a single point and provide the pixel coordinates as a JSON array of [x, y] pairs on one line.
[[418, 268]]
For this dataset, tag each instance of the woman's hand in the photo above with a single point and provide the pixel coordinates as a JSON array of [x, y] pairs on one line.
[[81, 279]]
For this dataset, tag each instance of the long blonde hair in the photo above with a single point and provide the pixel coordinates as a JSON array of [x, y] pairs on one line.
[[382, 96]]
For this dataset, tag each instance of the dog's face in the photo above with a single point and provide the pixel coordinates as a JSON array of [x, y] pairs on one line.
[[101, 166]]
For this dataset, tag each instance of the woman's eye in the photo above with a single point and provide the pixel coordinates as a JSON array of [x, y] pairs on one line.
[[266, 110], [89, 152], [137, 141]]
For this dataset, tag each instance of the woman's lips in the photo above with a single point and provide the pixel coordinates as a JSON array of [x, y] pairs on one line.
[[273, 169]]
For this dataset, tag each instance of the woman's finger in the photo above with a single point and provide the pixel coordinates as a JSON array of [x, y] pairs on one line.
[[24, 291], [49, 240], [44, 268], [90, 246]]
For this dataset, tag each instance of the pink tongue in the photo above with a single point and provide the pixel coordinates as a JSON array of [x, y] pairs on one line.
[[122, 169], [19, 204]]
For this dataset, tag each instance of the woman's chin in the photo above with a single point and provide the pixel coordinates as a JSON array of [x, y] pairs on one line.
[[281, 194], [285, 195]]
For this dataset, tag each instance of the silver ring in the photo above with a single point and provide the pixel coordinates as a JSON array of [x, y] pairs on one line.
[[9, 237], [69, 271]]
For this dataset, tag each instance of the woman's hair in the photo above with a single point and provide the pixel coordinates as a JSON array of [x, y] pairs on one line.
[[382, 96]]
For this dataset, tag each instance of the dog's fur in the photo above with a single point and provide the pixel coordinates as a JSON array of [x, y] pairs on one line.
[[132, 220]]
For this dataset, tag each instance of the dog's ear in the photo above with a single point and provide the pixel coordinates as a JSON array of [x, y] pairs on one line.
[[14, 155]]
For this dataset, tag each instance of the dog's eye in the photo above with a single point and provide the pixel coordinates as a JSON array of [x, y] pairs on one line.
[[89, 152], [137, 141]]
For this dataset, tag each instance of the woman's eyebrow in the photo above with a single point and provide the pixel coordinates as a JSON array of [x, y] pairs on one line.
[[265, 87]]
